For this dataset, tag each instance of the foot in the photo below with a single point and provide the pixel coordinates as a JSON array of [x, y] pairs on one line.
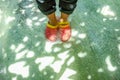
[[65, 31], [51, 32]]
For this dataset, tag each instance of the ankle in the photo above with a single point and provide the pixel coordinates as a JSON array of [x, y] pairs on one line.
[[53, 23], [64, 17], [52, 19], [63, 20]]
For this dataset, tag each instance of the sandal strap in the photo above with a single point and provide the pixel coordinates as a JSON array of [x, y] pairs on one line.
[[64, 24], [51, 26]]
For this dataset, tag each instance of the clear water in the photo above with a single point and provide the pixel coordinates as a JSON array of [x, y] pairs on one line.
[[92, 53]]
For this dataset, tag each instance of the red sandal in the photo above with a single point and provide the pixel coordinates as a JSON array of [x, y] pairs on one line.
[[65, 31], [51, 32]]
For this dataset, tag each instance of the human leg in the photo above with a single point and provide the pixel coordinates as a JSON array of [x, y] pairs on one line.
[[48, 7], [66, 7]]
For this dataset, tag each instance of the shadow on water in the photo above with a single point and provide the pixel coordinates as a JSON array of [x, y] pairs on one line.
[[92, 53]]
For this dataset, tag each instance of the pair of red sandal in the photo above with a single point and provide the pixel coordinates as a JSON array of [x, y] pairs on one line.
[[63, 30]]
